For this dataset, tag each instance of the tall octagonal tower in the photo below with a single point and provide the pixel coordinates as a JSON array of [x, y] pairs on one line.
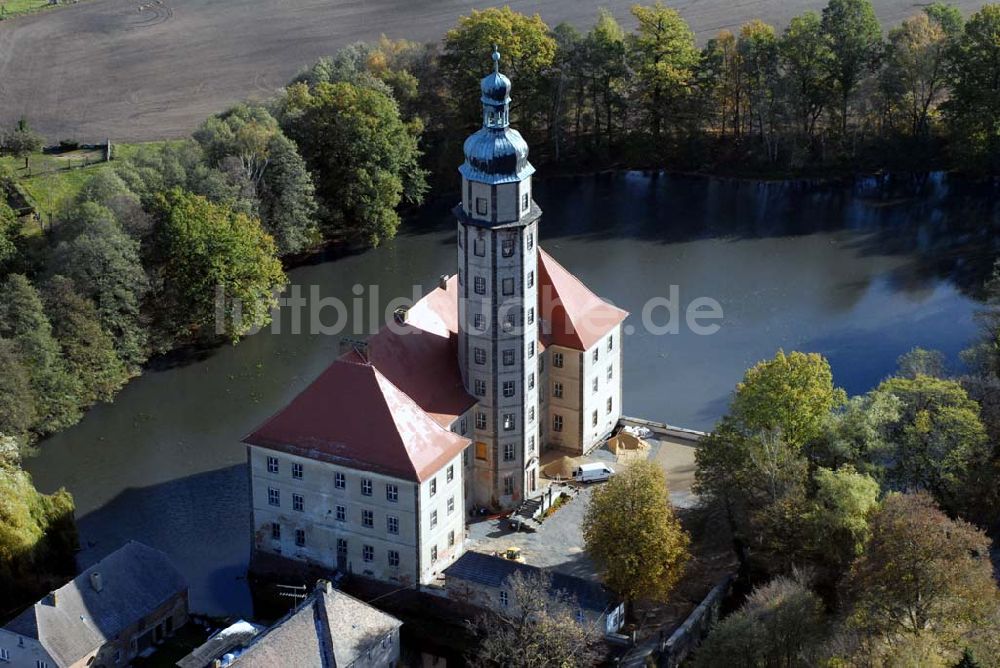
[[498, 299]]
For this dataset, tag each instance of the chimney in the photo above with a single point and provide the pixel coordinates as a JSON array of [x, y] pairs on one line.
[[399, 315], [324, 586], [443, 282], [52, 599], [96, 581]]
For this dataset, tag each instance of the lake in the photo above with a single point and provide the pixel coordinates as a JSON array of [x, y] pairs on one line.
[[860, 272]]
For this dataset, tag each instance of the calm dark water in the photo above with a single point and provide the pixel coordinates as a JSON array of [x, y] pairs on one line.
[[860, 274]]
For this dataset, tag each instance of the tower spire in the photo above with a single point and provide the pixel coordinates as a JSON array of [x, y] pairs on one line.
[[496, 58]]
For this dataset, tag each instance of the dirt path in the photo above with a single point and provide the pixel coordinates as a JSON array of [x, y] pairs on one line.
[[152, 69]]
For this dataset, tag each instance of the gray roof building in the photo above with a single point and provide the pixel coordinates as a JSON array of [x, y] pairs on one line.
[[99, 606], [329, 629]]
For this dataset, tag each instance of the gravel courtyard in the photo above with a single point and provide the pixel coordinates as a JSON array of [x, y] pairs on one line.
[[137, 70]]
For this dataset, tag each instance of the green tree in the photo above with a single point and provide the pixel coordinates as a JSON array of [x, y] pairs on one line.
[[921, 362], [606, 50], [208, 253], [922, 576], [854, 38], [841, 507], [633, 536], [152, 170], [17, 401], [104, 265], [806, 59], [88, 350], [791, 393], [780, 624], [57, 393], [857, 433], [915, 71], [974, 107], [758, 49], [9, 229], [364, 157], [527, 50], [37, 535], [288, 206], [22, 141], [664, 57], [939, 442]]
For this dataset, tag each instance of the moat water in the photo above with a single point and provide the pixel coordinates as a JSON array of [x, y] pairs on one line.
[[860, 273]]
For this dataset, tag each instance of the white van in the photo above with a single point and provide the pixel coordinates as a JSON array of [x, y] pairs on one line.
[[595, 472]]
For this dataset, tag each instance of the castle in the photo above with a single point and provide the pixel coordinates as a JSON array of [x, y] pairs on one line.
[[374, 466]]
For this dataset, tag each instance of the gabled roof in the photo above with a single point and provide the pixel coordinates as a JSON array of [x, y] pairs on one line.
[[353, 415], [420, 357], [135, 580], [330, 629], [575, 316], [490, 571]]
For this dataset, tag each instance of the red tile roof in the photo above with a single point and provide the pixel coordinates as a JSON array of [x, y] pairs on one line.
[[353, 415], [576, 317]]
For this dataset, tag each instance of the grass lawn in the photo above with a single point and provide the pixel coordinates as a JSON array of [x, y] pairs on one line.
[[11, 8]]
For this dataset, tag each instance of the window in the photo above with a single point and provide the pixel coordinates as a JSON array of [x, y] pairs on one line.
[[392, 524], [480, 450], [275, 531], [460, 237], [480, 420], [597, 354], [393, 558], [504, 598], [465, 457], [531, 414], [434, 518], [531, 279], [508, 422], [531, 443], [557, 360], [273, 497], [367, 519], [557, 423], [451, 505], [508, 286], [339, 480], [479, 247], [508, 388], [392, 493], [368, 553], [507, 247], [342, 548], [557, 390], [297, 503], [531, 316], [593, 419], [611, 342], [297, 471], [531, 381], [508, 484], [479, 284], [481, 208], [480, 355], [478, 322], [451, 538], [341, 514], [464, 427], [525, 200], [41, 664], [593, 386], [118, 656], [434, 486], [272, 464], [434, 553], [611, 371], [300, 537], [609, 405], [508, 358], [531, 240], [366, 487], [510, 321], [480, 387], [531, 348], [450, 473], [4, 654]]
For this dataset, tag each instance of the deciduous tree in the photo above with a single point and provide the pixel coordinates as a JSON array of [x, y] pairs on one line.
[[633, 536], [854, 37]]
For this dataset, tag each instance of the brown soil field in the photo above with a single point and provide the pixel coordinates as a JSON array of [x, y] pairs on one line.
[[138, 70]]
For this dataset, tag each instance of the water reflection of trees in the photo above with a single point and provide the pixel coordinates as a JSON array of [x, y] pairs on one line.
[[947, 227]]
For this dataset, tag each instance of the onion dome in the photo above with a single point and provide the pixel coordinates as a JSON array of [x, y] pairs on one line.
[[496, 153]]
